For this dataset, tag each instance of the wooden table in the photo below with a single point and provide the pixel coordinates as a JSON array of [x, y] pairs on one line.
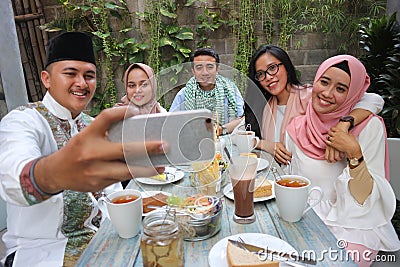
[[309, 234]]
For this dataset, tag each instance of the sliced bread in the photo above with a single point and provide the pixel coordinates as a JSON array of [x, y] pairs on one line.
[[238, 257]]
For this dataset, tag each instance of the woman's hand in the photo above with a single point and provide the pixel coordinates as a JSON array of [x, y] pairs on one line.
[[343, 142], [278, 150], [281, 154], [333, 155]]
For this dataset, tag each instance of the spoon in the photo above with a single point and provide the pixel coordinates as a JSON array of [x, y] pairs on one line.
[[103, 194], [275, 174]]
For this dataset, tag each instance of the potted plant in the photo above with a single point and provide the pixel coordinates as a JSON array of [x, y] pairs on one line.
[[380, 40]]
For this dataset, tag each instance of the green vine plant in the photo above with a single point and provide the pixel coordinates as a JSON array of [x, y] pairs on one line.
[[120, 40], [264, 13], [245, 40], [153, 16], [209, 22], [282, 19], [168, 41]]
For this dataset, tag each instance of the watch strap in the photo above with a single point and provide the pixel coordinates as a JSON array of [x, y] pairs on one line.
[[348, 118], [354, 162]]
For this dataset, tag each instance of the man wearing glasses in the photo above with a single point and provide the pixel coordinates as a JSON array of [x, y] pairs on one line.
[[210, 90]]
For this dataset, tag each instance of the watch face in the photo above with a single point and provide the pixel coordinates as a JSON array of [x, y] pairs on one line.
[[354, 162]]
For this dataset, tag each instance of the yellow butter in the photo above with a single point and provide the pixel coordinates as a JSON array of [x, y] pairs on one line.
[[159, 177]]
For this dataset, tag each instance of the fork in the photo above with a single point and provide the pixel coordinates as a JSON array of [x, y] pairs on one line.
[[167, 175], [241, 242]]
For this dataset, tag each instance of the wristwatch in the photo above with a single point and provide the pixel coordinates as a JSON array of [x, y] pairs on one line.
[[224, 130], [348, 118], [355, 162]]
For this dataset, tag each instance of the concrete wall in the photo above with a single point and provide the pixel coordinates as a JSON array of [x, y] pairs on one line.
[[393, 6]]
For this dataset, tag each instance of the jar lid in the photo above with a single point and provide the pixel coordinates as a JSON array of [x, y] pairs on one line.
[[160, 223]]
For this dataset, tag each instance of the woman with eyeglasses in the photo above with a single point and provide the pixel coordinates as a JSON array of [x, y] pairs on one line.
[[276, 96]]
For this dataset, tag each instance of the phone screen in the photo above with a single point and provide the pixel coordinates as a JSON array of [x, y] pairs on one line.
[[190, 135]]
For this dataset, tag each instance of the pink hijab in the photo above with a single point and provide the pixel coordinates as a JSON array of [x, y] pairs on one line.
[[309, 131], [295, 106], [150, 107]]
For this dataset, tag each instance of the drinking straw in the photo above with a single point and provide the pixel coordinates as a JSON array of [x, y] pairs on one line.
[[228, 155]]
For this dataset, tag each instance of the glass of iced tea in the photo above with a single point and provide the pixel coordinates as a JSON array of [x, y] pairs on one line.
[[242, 173]]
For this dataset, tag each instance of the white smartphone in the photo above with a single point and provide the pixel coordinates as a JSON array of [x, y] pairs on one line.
[[190, 135]]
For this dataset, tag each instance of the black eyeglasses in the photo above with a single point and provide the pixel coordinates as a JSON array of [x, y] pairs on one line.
[[271, 70]]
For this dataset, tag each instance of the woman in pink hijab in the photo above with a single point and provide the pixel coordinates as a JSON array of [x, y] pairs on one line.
[[141, 89], [358, 201], [275, 81]]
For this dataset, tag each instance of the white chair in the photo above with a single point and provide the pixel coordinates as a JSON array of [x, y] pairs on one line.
[[3, 214], [394, 154]]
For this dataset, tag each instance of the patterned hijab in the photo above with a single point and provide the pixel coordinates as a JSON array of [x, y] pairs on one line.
[[213, 100], [150, 107], [310, 130]]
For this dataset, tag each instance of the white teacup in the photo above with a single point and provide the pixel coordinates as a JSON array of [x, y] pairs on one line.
[[292, 201], [125, 217], [246, 141]]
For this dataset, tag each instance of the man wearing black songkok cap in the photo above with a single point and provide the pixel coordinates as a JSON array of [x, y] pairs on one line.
[[43, 153], [70, 80]]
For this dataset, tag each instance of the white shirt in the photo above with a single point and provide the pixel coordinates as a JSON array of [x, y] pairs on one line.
[[368, 224], [280, 114], [33, 231]]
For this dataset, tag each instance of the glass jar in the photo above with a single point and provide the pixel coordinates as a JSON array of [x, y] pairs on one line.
[[162, 242]]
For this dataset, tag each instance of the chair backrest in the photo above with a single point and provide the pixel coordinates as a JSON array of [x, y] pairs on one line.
[[3, 214], [394, 154]]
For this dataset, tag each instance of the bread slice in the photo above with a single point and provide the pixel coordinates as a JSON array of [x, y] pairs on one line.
[[158, 199], [238, 257], [251, 155], [263, 188]]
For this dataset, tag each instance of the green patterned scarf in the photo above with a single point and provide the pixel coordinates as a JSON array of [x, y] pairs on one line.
[[213, 100]]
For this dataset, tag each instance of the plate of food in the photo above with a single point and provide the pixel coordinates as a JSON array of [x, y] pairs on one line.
[[262, 164], [264, 190], [170, 175], [153, 198], [223, 251]]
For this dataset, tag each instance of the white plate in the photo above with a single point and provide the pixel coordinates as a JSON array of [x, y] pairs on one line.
[[150, 194], [262, 164], [217, 255], [178, 175], [228, 192]]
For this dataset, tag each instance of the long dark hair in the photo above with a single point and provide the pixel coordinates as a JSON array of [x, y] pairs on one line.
[[256, 96]]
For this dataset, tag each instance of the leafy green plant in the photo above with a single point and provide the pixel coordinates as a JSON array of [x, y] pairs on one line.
[[209, 22], [153, 18], [380, 40], [244, 33], [168, 40]]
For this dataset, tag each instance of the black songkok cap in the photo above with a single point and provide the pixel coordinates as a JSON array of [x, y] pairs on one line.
[[344, 66], [70, 46]]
